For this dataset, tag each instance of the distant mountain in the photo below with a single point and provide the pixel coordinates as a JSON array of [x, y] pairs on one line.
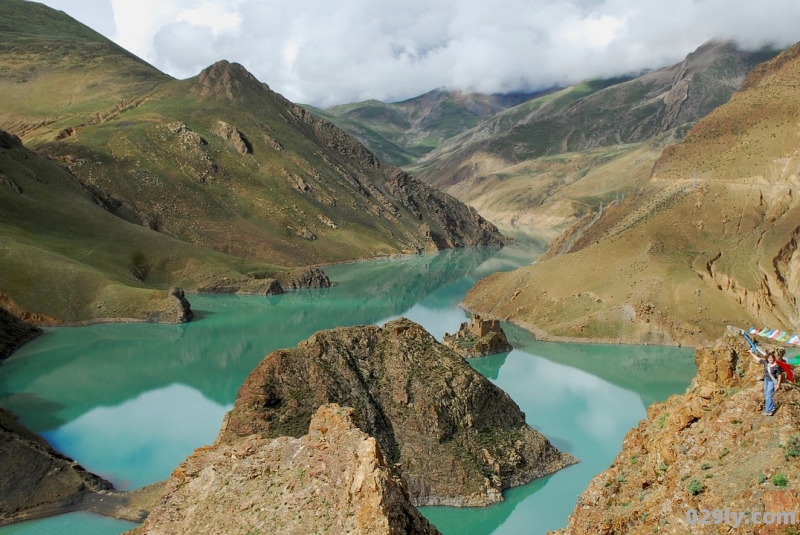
[[545, 160], [555, 157], [402, 132], [218, 161], [709, 240]]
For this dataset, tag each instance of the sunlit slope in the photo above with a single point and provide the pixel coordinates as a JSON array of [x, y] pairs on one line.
[[56, 73], [218, 160], [63, 255], [688, 253], [221, 161]]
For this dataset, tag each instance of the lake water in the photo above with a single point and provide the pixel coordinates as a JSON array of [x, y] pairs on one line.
[[130, 402]]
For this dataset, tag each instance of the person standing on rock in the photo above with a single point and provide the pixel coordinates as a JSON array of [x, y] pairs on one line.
[[772, 379]]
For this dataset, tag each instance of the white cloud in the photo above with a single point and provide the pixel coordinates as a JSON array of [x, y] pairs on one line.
[[324, 52]]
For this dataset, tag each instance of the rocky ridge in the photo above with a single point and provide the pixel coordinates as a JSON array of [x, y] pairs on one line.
[[458, 439], [334, 479], [711, 448]]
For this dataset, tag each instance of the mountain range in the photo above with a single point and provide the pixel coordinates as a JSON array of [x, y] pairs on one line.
[[549, 158]]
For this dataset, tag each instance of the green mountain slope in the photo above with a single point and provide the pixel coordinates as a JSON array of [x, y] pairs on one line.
[[709, 240], [218, 161], [64, 256]]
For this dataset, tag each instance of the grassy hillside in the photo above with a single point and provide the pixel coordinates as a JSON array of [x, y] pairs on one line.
[[218, 161], [688, 253], [56, 73], [64, 256]]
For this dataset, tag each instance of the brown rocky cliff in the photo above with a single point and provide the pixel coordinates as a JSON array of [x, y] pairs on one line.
[[710, 448], [458, 438], [332, 480]]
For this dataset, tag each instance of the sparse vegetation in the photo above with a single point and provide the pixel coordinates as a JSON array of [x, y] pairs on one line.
[[694, 487], [792, 448]]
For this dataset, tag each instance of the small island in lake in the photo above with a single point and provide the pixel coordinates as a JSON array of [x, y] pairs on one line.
[[478, 338]]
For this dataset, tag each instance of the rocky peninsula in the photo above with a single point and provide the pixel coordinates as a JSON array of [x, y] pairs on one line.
[[710, 448], [456, 438]]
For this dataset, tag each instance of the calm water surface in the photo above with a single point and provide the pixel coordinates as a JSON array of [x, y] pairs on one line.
[[130, 402]]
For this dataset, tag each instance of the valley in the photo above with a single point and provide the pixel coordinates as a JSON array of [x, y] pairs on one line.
[[160, 236]]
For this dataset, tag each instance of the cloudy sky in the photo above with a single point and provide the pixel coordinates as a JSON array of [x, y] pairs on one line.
[[326, 52]]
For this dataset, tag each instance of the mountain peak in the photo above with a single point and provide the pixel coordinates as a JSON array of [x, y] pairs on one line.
[[227, 79]]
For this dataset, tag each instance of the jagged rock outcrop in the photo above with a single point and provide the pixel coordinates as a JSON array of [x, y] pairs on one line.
[[450, 223], [36, 480], [478, 338], [710, 448], [332, 480], [458, 438], [233, 136], [305, 278], [14, 332]]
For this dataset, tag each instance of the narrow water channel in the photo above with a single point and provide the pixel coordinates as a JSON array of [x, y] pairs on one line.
[[130, 402]]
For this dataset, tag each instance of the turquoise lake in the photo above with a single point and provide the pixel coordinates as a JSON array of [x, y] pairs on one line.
[[131, 401]]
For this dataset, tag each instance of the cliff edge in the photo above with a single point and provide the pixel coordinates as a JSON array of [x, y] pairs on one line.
[[711, 448]]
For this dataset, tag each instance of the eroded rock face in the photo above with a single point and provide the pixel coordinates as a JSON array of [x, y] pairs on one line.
[[232, 135], [176, 308], [458, 438], [710, 448], [332, 480]]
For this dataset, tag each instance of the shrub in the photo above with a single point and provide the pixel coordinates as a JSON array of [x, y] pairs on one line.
[[779, 480], [695, 487]]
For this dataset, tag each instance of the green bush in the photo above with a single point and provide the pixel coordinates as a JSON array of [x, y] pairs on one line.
[[695, 487], [779, 480]]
